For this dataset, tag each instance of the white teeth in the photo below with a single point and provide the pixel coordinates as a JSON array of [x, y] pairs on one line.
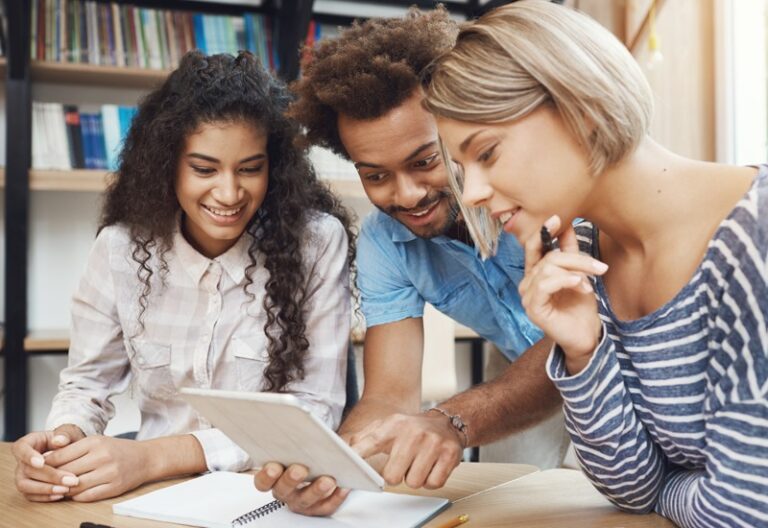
[[504, 217], [223, 212], [422, 213]]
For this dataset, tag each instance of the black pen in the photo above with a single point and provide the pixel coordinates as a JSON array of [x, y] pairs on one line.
[[547, 242]]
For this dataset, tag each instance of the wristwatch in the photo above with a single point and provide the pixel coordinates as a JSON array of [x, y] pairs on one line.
[[455, 421]]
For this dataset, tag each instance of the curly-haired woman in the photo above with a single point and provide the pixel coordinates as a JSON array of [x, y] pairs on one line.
[[221, 262]]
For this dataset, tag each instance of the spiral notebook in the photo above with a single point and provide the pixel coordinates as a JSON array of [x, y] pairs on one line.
[[226, 500]]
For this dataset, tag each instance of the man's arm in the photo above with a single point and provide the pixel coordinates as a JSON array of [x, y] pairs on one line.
[[392, 364], [518, 398], [423, 449]]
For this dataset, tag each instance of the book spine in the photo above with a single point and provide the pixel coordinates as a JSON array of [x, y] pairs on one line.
[[130, 30], [61, 31], [173, 40], [200, 42], [162, 37], [117, 24], [93, 33], [108, 35], [37, 135], [85, 137], [74, 136], [110, 120], [84, 40], [101, 150], [140, 41]]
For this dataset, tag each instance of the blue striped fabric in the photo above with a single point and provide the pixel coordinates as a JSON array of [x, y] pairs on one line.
[[671, 413]]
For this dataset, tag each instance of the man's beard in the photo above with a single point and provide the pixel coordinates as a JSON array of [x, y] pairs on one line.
[[429, 231]]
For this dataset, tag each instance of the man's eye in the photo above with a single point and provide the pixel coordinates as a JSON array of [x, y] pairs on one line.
[[426, 162], [374, 178]]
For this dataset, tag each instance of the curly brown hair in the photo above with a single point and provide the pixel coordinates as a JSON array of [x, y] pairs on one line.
[[369, 69], [223, 88]]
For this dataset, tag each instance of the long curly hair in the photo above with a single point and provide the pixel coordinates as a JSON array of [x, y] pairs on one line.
[[223, 88], [369, 69]]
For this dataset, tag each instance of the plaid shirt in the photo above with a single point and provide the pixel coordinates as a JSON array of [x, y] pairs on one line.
[[200, 330]]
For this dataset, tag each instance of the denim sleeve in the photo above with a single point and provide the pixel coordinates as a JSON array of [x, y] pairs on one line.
[[387, 294]]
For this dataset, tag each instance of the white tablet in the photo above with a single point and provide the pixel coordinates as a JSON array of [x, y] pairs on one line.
[[278, 428]]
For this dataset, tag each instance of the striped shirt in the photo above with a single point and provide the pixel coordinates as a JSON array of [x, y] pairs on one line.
[[201, 329], [671, 415]]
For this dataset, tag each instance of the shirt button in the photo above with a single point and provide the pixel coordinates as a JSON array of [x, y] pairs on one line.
[[140, 361]]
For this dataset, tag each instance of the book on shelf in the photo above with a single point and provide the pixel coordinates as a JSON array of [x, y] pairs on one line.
[[121, 34], [65, 137]]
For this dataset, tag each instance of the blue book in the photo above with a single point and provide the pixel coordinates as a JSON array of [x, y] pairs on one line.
[[248, 28], [126, 114], [87, 135], [199, 33], [101, 149]]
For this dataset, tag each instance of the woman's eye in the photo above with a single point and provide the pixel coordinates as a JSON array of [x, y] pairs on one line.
[[252, 170], [485, 156], [203, 170]]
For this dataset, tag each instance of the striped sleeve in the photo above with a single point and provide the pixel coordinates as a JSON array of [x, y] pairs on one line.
[[613, 446], [732, 489], [624, 463]]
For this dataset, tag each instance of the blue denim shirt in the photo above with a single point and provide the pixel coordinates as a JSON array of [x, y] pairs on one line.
[[398, 272]]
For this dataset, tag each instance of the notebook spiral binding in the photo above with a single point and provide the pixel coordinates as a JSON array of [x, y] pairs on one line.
[[258, 513]]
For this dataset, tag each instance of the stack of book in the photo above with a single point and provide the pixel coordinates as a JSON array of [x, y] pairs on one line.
[[65, 138], [112, 34]]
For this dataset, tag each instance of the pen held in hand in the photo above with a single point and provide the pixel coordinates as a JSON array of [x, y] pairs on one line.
[[547, 242]]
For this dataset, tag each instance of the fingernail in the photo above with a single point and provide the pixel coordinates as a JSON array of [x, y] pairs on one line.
[[70, 480], [551, 222], [325, 485], [37, 461], [586, 287], [600, 267], [56, 497], [271, 472], [60, 439], [296, 474], [60, 489]]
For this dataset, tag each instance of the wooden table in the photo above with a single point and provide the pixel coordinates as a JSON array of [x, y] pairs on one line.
[[556, 498], [17, 512]]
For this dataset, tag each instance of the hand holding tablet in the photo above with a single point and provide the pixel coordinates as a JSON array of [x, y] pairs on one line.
[[278, 428]]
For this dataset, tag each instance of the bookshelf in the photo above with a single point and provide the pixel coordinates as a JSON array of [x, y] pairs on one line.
[[88, 74], [87, 180]]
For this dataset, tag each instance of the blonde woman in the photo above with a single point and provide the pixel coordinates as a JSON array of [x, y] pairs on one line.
[[659, 321]]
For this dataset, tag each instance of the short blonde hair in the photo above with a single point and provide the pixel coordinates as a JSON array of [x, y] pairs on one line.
[[532, 52]]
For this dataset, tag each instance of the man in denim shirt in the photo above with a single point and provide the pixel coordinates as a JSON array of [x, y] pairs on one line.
[[361, 97]]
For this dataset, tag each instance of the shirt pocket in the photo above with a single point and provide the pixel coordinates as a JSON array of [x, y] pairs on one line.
[[151, 365], [251, 358]]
